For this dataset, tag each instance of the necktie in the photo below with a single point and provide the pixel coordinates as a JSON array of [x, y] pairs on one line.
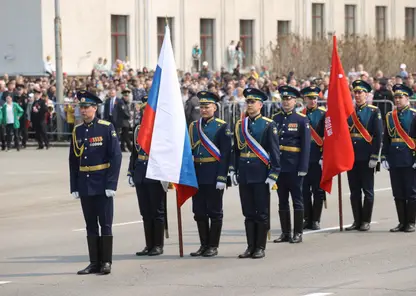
[[111, 106]]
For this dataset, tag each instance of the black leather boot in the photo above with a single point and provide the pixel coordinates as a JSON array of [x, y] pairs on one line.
[[317, 212], [106, 253], [262, 230], [286, 227], [94, 254], [158, 238], [148, 235], [366, 215], [251, 239], [401, 214], [297, 227], [308, 213], [214, 239], [356, 212], [411, 216], [203, 230]]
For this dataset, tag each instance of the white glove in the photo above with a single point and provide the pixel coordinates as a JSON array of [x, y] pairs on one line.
[[271, 182], [386, 165], [372, 164], [414, 166], [302, 174], [165, 185], [75, 194], [220, 185], [130, 180], [233, 178], [110, 193], [321, 163]]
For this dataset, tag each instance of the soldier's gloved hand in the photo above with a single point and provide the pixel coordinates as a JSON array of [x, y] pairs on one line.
[[372, 164], [302, 174], [233, 177], [165, 185], [414, 166], [75, 194], [321, 163], [270, 182], [220, 185], [130, 180], [386, 165], [110, 193]]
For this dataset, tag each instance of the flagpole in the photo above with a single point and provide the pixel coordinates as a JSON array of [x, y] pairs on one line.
[[341, 226], [178, 208]]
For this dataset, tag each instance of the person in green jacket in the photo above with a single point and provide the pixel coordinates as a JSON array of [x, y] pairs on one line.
[[10, 115]]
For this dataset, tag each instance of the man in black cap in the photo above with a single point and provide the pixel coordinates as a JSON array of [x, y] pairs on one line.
[[211, 148], [94, 164], [381, 93], [256, 168], [21, 98], [38, 120], [123, 120]]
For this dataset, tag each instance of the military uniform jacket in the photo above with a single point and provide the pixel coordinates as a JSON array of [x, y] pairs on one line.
[[316, 117], [94, 158], [249, 168], [138, 162], [370, 118], [209, 170], [295, 141], [395, 150]]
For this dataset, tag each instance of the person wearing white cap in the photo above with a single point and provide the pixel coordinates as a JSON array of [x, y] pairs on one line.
[[403, 72]]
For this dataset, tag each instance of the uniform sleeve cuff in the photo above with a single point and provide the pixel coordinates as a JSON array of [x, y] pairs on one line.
[[231, 169], [383, 157], [374, 157], [273, 176], [222, 179]]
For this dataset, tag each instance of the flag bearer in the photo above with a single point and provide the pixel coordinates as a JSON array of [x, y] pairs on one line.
[[398, 157], [366, 126], [211, 149], [94, 164], [256, 169]]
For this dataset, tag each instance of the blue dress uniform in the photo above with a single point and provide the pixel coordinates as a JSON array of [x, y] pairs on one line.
[[151, 198], [209, 136], [295, 145], [398, 156], [94, 163], [366, 151], [252, 173], [311, 183]]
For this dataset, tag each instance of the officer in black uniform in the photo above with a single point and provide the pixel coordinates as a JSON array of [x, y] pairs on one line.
[[211, 148], [398, 157], [366, 130], [94, 164], [21, 98], [311, 183], [256, 169], [151, 196], [295, 144]]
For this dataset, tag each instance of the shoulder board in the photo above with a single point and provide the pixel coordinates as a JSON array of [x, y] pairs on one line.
[[104, 122], [220, 120], [78, 125], [301, 114], [322, 108], [412, 109], [372, 106], [267, 119], [278, 112]]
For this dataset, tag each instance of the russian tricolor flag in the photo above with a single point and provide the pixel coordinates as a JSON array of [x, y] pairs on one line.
[[163, 133]]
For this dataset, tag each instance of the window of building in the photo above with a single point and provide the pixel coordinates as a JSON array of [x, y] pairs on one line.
[[161, 23], [246, 37], [318, 25], [207, 27], [283, 28], [119, 37], [410, 22], [381, 22], [350, 20]]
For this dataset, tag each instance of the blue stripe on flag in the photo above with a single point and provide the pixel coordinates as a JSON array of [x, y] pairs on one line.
[[154, 90], [187, 175]]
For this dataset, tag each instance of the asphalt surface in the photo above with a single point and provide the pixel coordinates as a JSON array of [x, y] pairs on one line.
[[42, 245]]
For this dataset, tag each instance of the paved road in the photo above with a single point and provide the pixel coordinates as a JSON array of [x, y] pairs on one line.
[[42, 245]]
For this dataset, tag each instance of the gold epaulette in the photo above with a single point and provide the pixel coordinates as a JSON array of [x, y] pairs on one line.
[[412, 109], [301, 114], [322, 108], [278, 112], [220, 120], [372, 106], [267, 119], [104, 122]]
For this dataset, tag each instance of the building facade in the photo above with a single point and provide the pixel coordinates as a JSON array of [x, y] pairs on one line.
[[134, 29]]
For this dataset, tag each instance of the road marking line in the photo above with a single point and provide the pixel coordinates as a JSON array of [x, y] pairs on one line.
[[375, 190], [117, 224], [319, 294], [3, 283], [330, 228]]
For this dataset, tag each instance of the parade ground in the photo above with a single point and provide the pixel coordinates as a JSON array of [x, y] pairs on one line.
[[43, 244]]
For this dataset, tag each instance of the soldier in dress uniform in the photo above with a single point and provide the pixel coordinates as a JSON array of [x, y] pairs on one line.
[[311, 183], [398, 157], [366, 129], [295, 144], [94, 164], [211, 148], [151, 196], [256, 169]]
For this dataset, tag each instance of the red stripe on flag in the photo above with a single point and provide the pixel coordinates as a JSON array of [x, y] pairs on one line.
[[144, 137], [184, 192]]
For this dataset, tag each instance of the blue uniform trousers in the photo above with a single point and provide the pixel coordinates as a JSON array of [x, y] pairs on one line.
[[361, 180], [255, 202], [98, 209], [151, 198], [403, 183], [290, 183], [207, 203]]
